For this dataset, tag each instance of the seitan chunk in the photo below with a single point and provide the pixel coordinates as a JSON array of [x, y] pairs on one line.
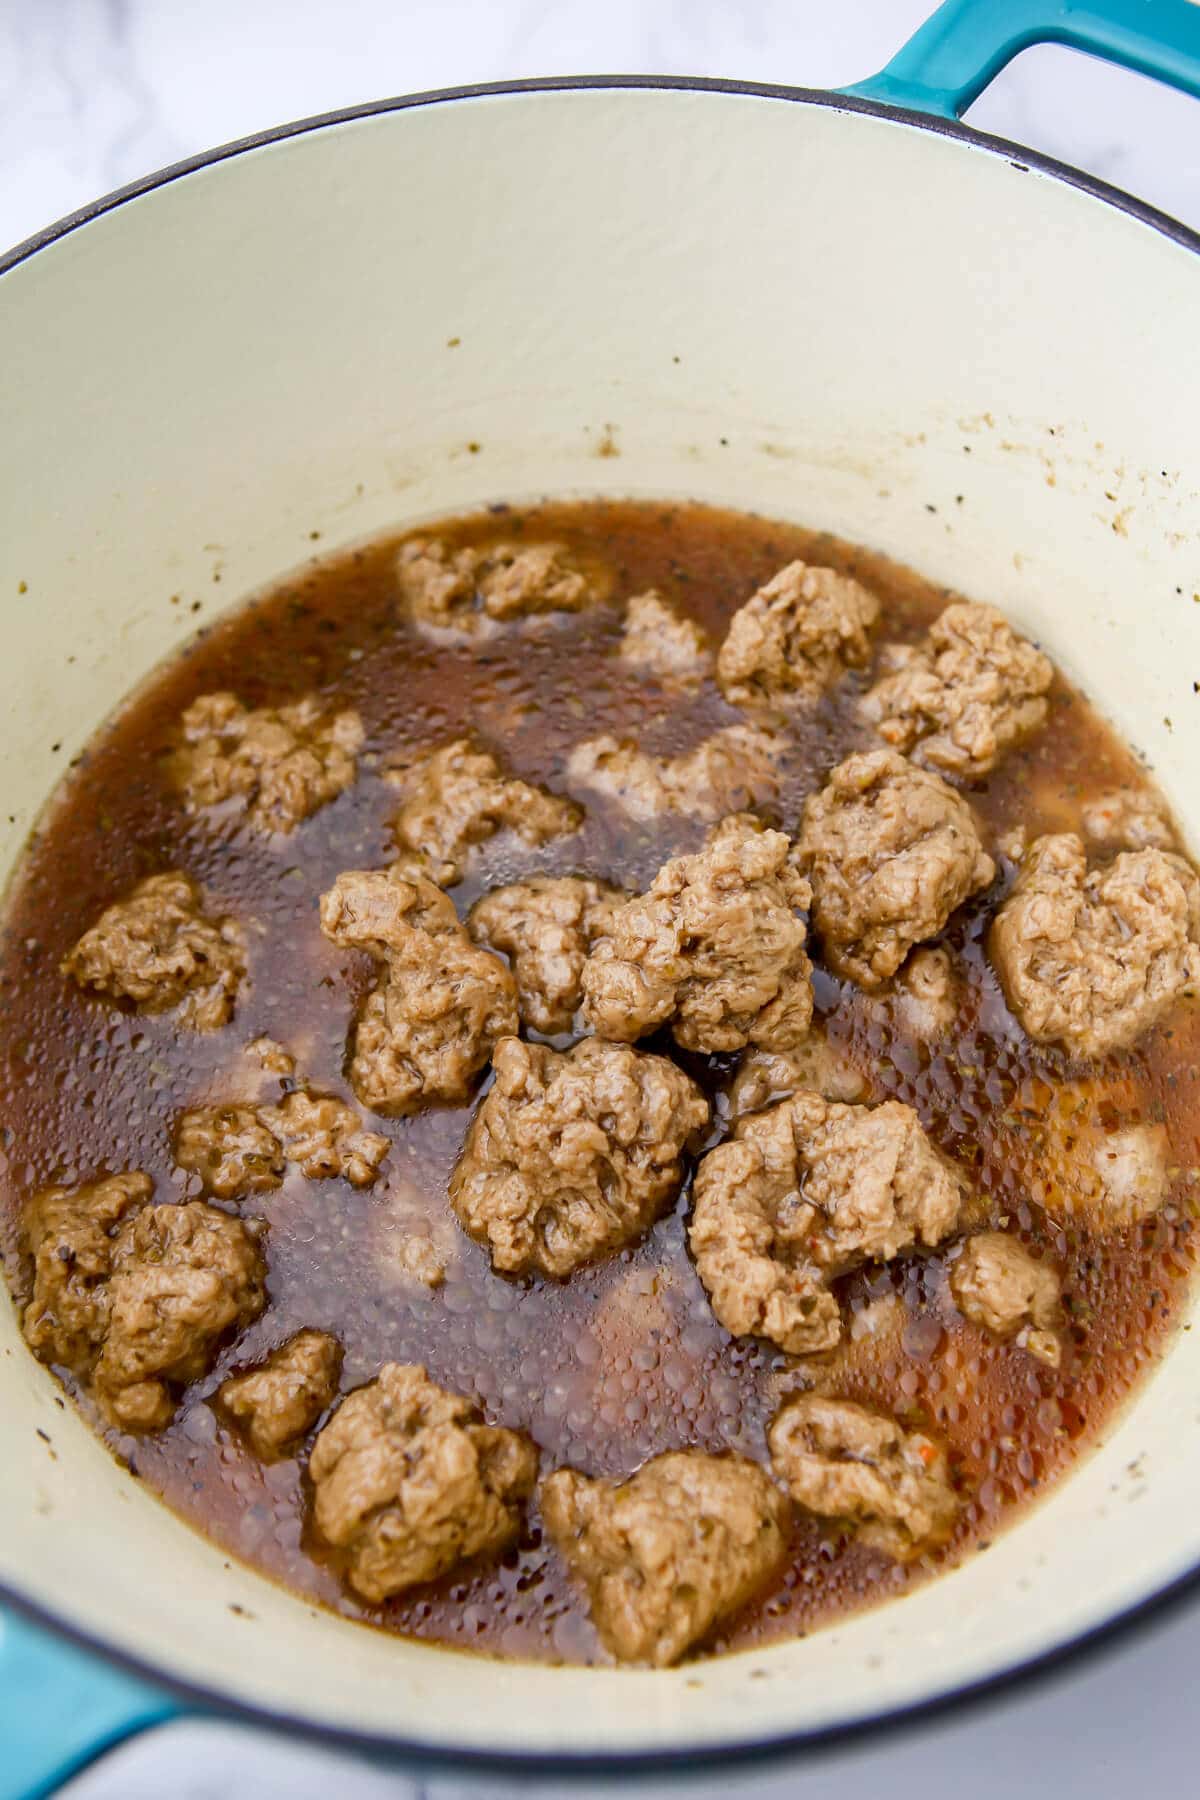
[[764, 1077], [1123, 1176], [245, 1149], [437, 584], [546, 926], [998, 1285], [1092, 958], [458, 797], [159, 949], [796, 636], [271, 1056], [185, 1280], [1082, 1150], [281, 763], [231, 1149], [469, 590], [843, 1462], [573, 1156], [69, 1234], [137, 1299], [731, 770], [805, 1192], [964, 697], [715, 949], [324, 1137], [413, 1245], [924, 997], [1128, 818], [409, 1482], [417, 1258], [891, 851], [441, 1004], [517, 580], [1107, 1179], [659, 640], [670, 1553], [279, 1402]]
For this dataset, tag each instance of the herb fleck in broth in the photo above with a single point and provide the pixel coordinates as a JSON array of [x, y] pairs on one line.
[[626, 1359]]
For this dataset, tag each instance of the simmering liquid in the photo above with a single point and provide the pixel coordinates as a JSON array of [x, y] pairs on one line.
[[624, 1360]]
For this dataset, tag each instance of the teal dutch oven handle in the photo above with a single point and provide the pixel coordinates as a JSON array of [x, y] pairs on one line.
[[947, 64], [60, 1707]]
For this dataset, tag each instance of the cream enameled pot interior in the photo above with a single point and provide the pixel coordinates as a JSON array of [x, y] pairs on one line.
[[821, 314]]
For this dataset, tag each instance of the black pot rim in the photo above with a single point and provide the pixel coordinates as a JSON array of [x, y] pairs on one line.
[[1058, 1661]]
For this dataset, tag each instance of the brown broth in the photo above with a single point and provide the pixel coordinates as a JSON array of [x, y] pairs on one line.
[[626, 1359]]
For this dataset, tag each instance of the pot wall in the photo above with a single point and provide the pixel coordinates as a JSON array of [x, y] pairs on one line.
[[759, 301]]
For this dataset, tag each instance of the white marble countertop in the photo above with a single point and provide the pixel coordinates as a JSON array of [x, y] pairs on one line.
[[94, 93]]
